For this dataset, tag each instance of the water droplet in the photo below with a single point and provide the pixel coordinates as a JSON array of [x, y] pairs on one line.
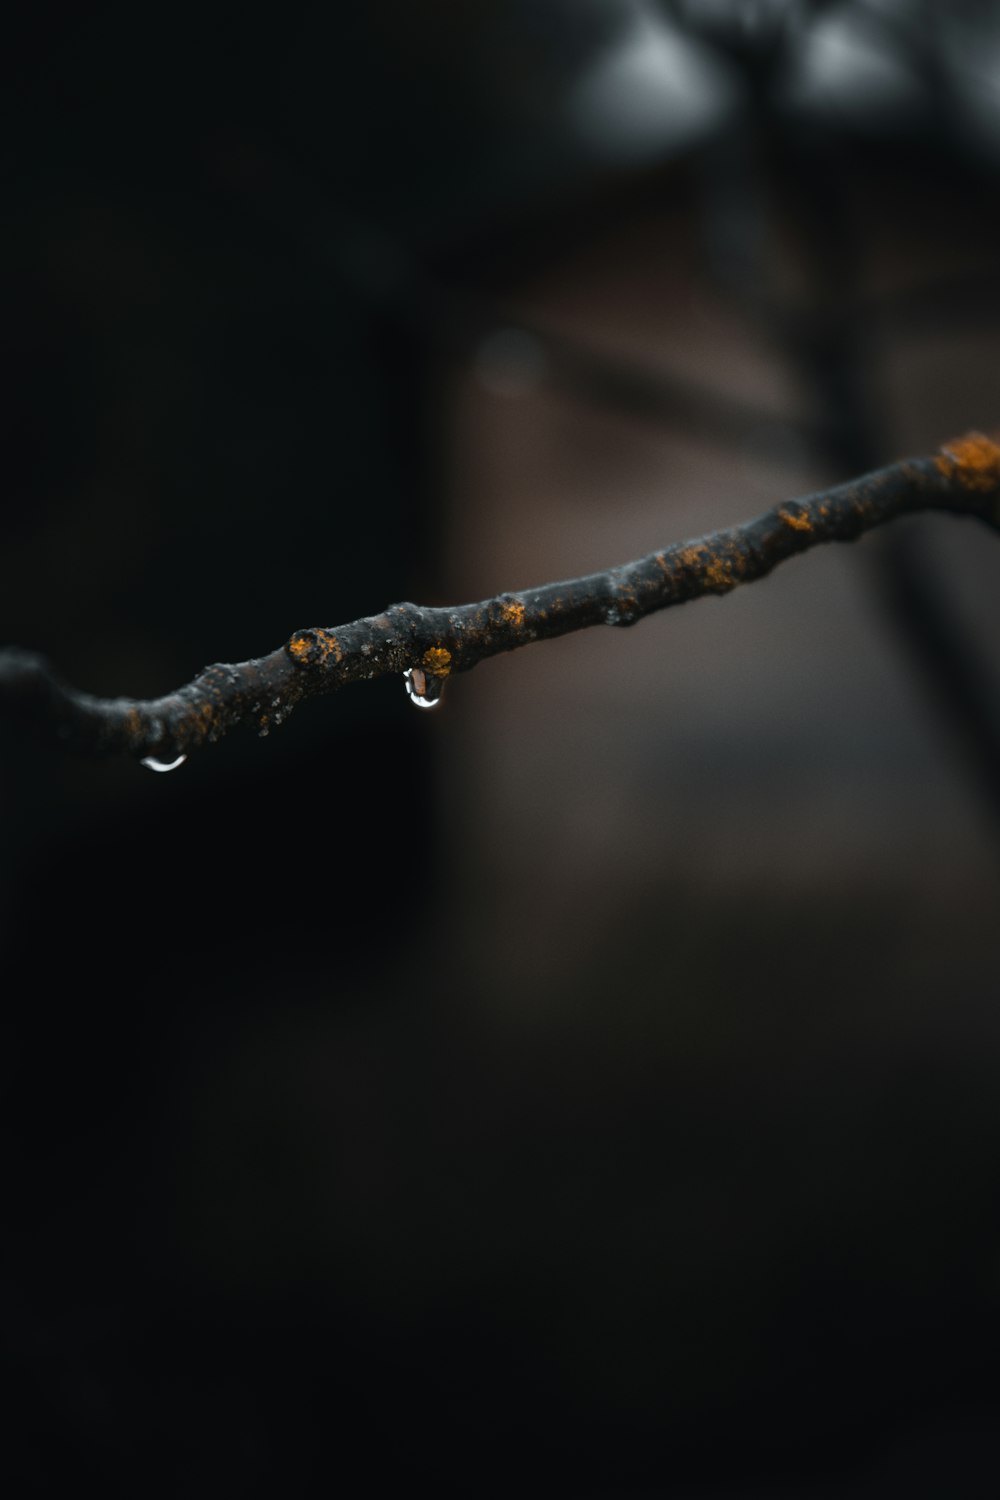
[[424, 690], [151, 762]]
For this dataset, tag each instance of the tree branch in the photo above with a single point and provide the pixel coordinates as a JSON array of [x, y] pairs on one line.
[[433, 643]]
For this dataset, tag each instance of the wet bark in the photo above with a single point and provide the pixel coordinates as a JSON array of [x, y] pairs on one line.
[[431, 644]]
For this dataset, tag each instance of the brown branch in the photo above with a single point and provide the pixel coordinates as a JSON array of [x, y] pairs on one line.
[[431, 643]]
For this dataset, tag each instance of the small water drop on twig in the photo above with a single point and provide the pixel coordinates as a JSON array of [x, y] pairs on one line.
[[152, 764], [424, 689]]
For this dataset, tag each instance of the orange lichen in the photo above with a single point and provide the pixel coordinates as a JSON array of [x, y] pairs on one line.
[[974, 460], [797, 523], [328, 646], [512, 613], [718, 574], [437, 661], [315, 647]]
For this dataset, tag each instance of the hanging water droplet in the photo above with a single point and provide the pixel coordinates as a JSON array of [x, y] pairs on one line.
[[424, 690], [151, 762]]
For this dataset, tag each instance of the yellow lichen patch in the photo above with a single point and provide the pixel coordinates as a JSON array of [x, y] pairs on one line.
[[797, 523], [327, 646], [437, 661], [974, 460], [718, 574], [314, 648], [512, 613]]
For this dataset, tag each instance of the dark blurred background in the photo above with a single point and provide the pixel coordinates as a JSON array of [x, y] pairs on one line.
[[589, 1088]]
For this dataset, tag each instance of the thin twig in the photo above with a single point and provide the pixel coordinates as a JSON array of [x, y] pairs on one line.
[[434, 643]]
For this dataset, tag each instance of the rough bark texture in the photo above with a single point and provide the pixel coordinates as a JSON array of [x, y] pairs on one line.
[[434, 643]]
